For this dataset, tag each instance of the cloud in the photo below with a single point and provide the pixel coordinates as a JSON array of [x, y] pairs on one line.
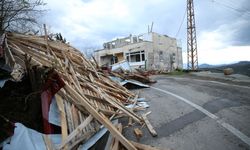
[[87, 24], [241, 34], [223, 33], [95, 21], [220, 45], [225, 55]]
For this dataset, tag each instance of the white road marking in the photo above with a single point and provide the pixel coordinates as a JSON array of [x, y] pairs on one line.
[[235, 131], [189, 102], [227, 126]]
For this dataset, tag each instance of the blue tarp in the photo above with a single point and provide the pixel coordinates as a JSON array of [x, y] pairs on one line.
[[2, 82]]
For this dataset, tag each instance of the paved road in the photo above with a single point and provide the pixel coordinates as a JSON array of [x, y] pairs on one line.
[[191, 114]]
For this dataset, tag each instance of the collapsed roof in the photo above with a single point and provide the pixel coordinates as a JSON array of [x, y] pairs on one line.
[[86, 98]]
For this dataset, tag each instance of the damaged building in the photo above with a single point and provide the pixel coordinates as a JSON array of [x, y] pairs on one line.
[[52, 97], [151, 51]]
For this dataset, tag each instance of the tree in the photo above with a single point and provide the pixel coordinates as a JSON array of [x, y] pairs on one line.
[[19, 15]]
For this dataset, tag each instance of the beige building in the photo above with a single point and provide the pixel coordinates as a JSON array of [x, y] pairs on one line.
[[149, 51]]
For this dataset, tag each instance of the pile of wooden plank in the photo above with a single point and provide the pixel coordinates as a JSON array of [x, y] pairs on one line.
[[87, 100]]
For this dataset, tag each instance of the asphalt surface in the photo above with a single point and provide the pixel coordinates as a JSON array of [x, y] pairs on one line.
[[194, 114]]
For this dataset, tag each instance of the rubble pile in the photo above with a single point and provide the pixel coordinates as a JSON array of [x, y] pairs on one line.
[[86, 98]]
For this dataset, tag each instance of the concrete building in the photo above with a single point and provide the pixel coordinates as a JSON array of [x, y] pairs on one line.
[[150, 51]]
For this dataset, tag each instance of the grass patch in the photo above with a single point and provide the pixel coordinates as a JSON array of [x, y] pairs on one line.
[[178, 72]]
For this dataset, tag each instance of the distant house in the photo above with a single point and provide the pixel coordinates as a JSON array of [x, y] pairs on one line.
[[150, 51]]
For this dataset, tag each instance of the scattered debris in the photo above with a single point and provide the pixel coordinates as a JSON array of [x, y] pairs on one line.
[[143, 146], [149, 126], [121, 66], [86, 98], [143, 78], [115, 143], [125, 75], [129, 84], [138, 133]]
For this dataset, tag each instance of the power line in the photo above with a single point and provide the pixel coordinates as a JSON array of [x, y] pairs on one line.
[[184, 16], [228, 2], [241, 8], [241, 11]]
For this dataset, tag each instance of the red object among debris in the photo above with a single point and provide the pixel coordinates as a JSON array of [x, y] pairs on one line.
[[53, 84]]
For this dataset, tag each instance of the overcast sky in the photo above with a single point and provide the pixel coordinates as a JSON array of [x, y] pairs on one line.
[[222, 26]]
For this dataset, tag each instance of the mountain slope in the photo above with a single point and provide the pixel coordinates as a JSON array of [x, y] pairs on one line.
[[242, 67]]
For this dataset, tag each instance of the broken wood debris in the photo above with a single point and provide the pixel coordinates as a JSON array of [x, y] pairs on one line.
[[115, 144], [149, 125], [140, 146], [123, 71], [138, 133], [87, 99]]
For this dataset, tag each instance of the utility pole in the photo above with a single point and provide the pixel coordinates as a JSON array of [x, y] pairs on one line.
[[192, 55]]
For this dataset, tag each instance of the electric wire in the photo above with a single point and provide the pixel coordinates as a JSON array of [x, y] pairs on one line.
[[242, 5], [241, 11], [183, 18]]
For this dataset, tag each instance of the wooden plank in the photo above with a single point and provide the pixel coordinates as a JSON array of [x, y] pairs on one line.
[[48, 142], [130, 121], [149, 126], [147, 113], [99, 117], [9, 54], [69, 116], [144, 147], [108, 112], [120, 106], [83, 137], [76, 132], [35, 57], [116, 142], [109, 142], [64, 128], [74, 77], [138, 133], [135, 99], [75, 116]]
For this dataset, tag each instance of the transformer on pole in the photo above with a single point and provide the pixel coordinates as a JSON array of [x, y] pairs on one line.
[[192, 55]]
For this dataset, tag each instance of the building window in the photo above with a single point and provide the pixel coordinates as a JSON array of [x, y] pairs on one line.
[[143, 56], [161, 56], [114, 60], [135, 56]]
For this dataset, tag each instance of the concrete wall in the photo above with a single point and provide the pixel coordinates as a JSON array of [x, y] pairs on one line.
[[165, 55], [134, 47], [105, 60], [161, 52]]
